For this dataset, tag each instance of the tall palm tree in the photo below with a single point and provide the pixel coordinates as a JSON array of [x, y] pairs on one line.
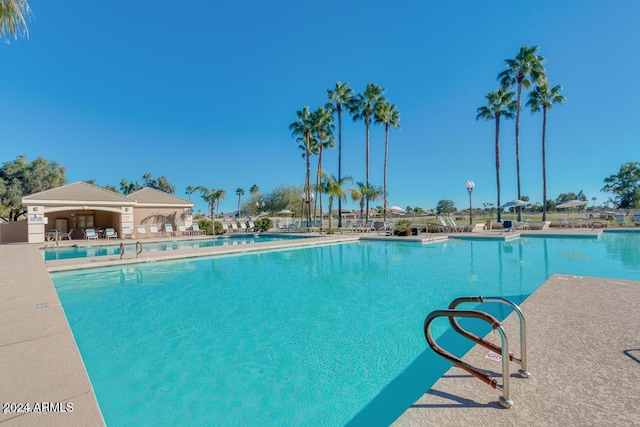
[[210, 198], [365, 193], [239, 193], [362, 107], [499, 104], [302, 128], [339, 96], [389, 116], [254, 190], [219, 195], [543, 98], [523, 70], [13, 18], [334, 188], [322, 128]]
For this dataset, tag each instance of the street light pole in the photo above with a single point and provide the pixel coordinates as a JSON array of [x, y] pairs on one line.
[[470, 186]]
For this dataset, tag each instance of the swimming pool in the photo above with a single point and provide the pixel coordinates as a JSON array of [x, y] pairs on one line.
[[325, 335], [84, 251]]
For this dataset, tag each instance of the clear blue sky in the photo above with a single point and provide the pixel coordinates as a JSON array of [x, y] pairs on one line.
[[203, 92]]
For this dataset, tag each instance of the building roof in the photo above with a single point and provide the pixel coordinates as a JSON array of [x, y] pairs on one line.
[[152, 197], [79, 192]]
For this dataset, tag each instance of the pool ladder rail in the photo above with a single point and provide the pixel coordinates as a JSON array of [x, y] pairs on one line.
[[452, 314]]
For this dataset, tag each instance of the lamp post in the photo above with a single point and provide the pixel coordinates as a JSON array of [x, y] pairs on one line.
[[470, 186]]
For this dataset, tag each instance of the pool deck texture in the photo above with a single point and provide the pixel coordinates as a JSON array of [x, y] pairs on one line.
[[583, 341]]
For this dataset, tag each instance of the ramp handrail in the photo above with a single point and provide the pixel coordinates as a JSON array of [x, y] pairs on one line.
[[523, 372], [504, 400]]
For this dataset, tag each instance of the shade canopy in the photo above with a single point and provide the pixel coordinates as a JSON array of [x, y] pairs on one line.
[[570, 204], [396, 209], [514, 203]]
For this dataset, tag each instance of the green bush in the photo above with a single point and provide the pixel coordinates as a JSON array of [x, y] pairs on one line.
[[263, 224], [217, 227], [205, 225], [403, 228]]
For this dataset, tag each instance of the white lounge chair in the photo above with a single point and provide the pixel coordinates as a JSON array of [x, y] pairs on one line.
[[225, 227], [234, 227], [90, 234], [252, 227], [127, 232], [243, 227], [153, 230], [168, 230], [66, 235], [619, 219], [182, 229], [636, 219], [110, 233], [195, 229], [142, 231]]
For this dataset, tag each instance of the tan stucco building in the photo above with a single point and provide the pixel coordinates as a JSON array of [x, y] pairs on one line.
[[79, 206]]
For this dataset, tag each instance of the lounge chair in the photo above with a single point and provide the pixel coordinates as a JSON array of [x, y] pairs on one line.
[[444, 226], [168, 230], [507, 225], [367, 227], [142, 231], [90, 234], [523, 225], [110, 233], [182, 229], [386, 229], [619, 219], [564, 222], [153, 230], [66, 235], [252, 227], [195, 229], [455, 227], [127, 232], [636, 219], [243, 226], [234, 227], [225, 227]]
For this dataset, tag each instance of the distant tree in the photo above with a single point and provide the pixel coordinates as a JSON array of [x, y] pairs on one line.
[[127, 187], [388, 115], [161, 183], [338, 97], [446, 206], [21, 178], [189, 190], [523, 70], [239, 193], [625, 186], [543, 98], [565, 197], [362, 107], [106, 187], [499, 104], [13, 18], [254, 190]]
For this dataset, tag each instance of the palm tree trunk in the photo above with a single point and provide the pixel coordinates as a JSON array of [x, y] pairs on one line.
[[307, 182], [386, 155], [339, 108], [498, 165], [544, 163], [367, 165], [518, 145]]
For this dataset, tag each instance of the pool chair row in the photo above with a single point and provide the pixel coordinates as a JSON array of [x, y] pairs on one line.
[[93, 234], [167, 231], [239, 227]]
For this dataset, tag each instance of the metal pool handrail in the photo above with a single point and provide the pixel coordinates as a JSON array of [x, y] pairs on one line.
[[523, 372], [504, 400]]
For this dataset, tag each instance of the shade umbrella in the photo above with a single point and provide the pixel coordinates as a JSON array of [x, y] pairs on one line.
[[570, 204], [514, 204], [285, 212]]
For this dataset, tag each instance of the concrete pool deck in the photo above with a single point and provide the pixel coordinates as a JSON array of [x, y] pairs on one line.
[[584, 355]]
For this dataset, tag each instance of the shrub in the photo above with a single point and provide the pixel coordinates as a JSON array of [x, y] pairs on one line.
[[205, 225], [217, 227], [263, 224], [403, 228]]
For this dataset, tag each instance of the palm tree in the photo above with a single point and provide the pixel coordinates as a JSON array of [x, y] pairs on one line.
[[362, 107], [333, 187], [388, 115], [254, 190], [189, 190], [365, 193], [219, 195], [522, 70], [322, 128], [210, 197], [13, 18], [544, 98], [302, 128], [499, 104], [239, 193], [339, 96]]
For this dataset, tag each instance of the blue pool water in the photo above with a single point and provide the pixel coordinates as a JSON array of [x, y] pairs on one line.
[[326, 335], [84, 251]]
